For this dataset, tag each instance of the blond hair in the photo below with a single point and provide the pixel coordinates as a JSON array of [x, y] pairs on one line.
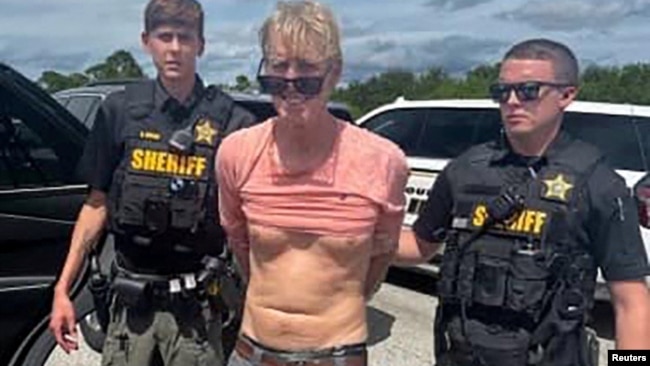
[[303, 25]]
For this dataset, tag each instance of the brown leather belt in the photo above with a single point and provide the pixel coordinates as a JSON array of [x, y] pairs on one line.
[[246, 350]]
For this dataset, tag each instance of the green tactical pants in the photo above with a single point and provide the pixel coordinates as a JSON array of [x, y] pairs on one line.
[[183, 333]]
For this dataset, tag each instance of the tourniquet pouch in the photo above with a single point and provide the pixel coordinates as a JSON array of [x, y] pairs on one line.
[[144, 203], [493, 345], [526, 284]]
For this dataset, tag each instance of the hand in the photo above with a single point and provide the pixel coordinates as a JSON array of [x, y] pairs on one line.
[[63, 323]]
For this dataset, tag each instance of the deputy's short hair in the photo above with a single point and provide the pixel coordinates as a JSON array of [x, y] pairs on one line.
[[564, 61], [184, 13]]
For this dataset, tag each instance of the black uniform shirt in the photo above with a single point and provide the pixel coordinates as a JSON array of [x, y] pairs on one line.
[[104, 150], [609, 221]]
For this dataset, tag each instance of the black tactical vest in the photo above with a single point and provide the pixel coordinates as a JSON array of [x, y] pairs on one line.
[[500, 285], [163, 189]]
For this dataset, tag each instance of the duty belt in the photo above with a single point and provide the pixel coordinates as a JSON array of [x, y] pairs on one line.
[[162, 284]]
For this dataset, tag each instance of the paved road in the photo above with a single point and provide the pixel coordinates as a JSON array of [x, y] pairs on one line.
[[400, 318]]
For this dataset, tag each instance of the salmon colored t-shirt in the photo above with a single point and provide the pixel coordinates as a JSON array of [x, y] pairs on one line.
[[359, 190]]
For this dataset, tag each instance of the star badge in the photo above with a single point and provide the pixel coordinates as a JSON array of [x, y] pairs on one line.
[[204, 132], [557, 188]]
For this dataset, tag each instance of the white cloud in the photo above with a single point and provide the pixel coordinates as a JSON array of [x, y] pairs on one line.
[[572, 15]]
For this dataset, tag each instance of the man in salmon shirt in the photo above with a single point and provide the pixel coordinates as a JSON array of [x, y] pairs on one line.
[[312, 205]]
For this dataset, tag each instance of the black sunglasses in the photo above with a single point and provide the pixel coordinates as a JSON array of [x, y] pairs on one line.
[[526, 91], [307, 85]]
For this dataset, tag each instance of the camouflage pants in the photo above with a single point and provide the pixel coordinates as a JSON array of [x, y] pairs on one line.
[[184, 334]]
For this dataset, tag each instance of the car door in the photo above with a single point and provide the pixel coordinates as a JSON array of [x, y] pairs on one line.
[[39, 200]]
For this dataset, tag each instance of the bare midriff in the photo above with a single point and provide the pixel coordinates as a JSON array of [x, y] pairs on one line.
[[305, 290], [308, 239]]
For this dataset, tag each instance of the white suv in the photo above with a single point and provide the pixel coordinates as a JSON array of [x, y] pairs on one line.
[[434, 131]]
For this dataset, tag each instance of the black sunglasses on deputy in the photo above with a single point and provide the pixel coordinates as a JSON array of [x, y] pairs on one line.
[[526, 91], [275, 85]]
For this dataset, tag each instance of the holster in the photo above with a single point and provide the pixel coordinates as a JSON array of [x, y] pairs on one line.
[[133, 293], [101, 293], [100, 289]]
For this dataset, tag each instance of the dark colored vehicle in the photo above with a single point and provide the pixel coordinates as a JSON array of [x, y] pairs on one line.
[[40, 197]]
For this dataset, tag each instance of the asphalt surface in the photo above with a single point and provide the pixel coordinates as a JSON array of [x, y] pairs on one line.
[[400, 319]]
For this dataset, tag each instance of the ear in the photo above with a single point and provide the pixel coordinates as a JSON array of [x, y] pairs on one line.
[[201, 47], [569, 94], [144, 41]]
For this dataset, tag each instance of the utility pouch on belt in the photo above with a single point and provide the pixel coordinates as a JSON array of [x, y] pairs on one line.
[[132, 293], [494, 345]]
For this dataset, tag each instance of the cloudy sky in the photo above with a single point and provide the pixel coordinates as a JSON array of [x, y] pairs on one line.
[[70, 35]]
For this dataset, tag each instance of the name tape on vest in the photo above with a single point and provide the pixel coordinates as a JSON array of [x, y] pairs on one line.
[[528, 222], [168, 163]]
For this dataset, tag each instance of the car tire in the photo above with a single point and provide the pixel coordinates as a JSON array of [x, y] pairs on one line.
[[92, 332]]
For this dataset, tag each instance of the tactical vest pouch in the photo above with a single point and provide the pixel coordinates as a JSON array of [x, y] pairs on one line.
[[143, 203], [187, 208], [494, 345], [527, 283], [490, 280]]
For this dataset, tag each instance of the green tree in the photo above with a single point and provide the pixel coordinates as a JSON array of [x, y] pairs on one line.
[[119, 65], [53, 81], [242, 83]]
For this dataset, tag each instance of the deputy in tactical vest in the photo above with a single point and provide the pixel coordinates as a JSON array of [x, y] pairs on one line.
[[526, 221], [149, 162]]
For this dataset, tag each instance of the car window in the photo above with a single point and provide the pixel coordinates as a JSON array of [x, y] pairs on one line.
[[26, 160], [90, 119], [437, 133], [618, 137], [82, 107], [448, 132], [401, 126], [62, 100]]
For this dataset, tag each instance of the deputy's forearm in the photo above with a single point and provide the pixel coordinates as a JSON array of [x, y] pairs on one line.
[[88, 228], [633, 327], [413, 251]]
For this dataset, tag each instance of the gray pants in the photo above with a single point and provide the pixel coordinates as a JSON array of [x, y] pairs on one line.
[[182, 335]]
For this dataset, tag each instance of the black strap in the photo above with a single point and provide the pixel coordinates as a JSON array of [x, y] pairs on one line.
[[140, 98]]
